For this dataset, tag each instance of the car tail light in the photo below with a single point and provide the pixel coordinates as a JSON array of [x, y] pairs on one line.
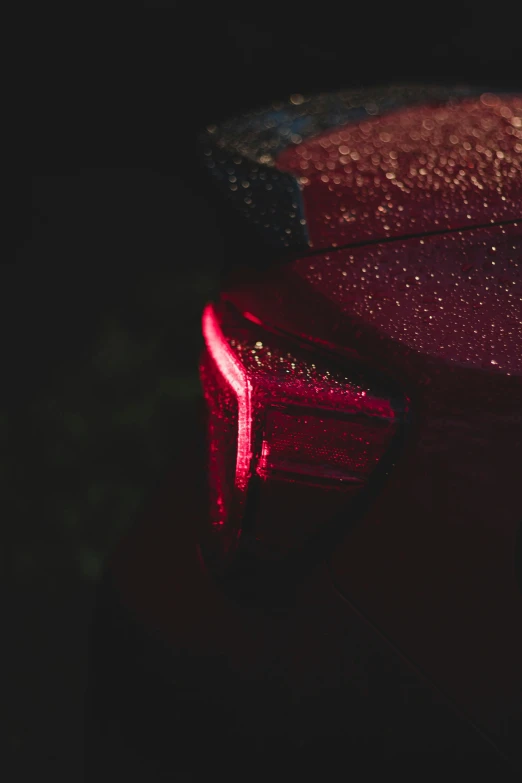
[[293, 436]]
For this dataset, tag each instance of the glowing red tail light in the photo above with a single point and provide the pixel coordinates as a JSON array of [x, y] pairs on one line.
[[291, 439]]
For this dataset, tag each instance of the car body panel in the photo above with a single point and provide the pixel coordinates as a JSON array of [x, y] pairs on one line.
[[390, 302], [432, 563], [359, 166], [411, 171], [312, 672], [411, 625]]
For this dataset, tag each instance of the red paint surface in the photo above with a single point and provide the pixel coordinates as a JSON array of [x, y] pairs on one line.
[[433, 562], [412, 171], [455, 297]]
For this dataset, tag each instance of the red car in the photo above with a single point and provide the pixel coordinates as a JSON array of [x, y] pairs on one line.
[[349, 589]]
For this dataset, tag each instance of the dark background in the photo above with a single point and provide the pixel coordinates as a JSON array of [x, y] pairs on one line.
[[117, 249]]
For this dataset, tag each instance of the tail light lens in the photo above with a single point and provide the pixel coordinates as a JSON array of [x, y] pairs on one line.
[[291, 438]]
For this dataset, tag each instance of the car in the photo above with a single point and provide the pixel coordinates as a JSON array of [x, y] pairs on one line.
[[342, 585]]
